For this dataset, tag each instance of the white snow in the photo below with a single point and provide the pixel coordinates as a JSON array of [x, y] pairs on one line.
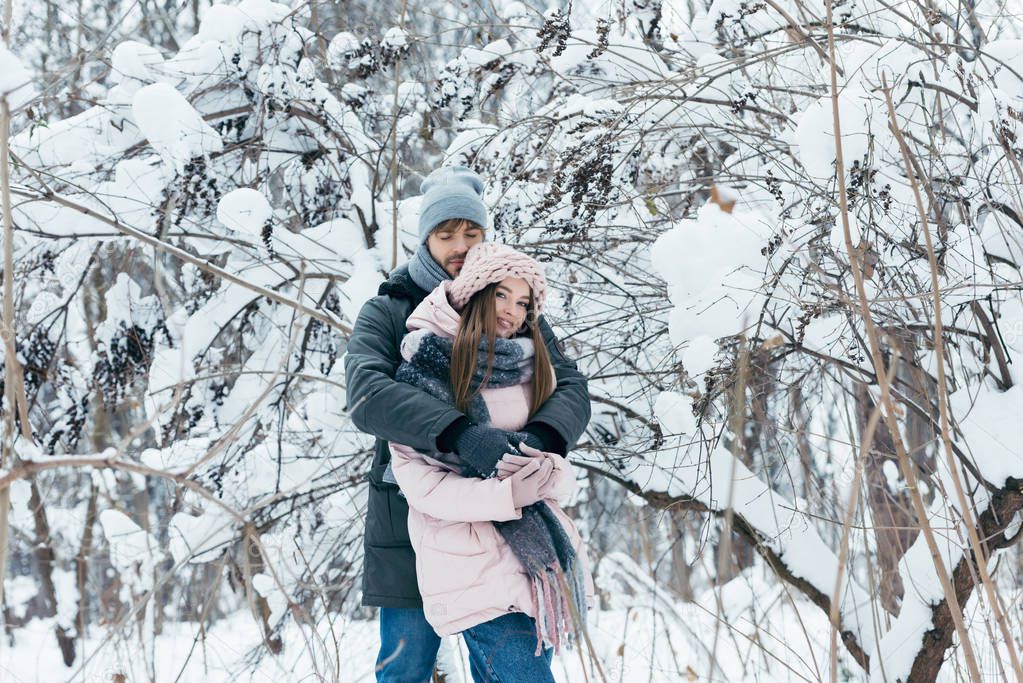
[[89, 137], [860, 116], [472, 135], [18, 591], [223, 23], [132, 60], [699, 355], [65, 589], [342, 44], [675, 412], [202, 538], [712, 266], [593, 108], [837, 234], [244, 210], [362, 284], [645, 636], [1004, 59], [723, 480], [891, 475], [923, 590], [125, 303], [133, 551], [326, 244], [42, 305], [1001, 237], [16, 83], [492, 51], [992, 430], [123, 158], [395, 38], [275, 598], [626, 59], [178, 456], [173, 127], [173, 365]]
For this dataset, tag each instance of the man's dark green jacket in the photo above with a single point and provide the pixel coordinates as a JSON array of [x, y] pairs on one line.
[[394, 411]]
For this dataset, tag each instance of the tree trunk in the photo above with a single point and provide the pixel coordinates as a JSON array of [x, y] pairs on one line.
[[82, 563], [46, 559], [927, 664]]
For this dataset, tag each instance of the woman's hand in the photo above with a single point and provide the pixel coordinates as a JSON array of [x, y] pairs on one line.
[[527, 483], [511, 463], [561, 483]]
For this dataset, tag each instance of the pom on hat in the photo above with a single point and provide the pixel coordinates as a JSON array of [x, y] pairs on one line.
[[488, 263]]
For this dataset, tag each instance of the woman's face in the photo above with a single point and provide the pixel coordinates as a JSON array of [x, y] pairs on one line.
[[511, 298]]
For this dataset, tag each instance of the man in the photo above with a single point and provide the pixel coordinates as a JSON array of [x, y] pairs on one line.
[[452, 220]]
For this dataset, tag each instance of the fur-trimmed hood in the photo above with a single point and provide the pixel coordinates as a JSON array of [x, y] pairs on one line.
[[401, 285]]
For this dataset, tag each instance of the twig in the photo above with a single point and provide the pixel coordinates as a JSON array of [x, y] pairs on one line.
[[891, 420], [943, 408], [183, 255]]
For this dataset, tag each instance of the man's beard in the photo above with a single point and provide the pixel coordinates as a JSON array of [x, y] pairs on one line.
[[452, 271]]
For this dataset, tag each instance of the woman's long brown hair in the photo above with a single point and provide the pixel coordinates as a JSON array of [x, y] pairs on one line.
[[479, 319]]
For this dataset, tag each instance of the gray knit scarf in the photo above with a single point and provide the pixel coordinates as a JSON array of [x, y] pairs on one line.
[[537, 539], [424, 269]]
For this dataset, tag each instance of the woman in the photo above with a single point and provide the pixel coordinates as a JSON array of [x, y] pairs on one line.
[[496, 558]]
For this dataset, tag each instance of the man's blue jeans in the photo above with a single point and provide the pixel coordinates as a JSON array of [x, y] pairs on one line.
[[408, 646], [502, 650]]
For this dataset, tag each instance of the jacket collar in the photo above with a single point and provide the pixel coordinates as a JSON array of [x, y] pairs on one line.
[[401, 286]]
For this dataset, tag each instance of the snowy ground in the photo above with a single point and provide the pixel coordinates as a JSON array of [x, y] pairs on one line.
[[658, 642]]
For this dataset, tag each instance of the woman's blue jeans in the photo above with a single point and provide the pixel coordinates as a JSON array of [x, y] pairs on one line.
[[502, 650]]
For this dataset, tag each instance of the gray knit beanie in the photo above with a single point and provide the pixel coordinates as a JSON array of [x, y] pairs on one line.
[[451, 192]]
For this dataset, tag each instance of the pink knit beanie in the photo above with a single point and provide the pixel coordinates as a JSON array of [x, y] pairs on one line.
[[489, 262]]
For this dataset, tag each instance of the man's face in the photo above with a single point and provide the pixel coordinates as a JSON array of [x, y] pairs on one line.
[[451, 241]]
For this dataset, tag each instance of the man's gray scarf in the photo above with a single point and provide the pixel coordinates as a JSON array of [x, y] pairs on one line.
[[537, 539], [425, 271]]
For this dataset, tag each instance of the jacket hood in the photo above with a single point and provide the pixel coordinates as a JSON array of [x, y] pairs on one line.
[[401, 285]]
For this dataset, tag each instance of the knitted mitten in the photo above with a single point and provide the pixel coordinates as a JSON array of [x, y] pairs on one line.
[[483, 447]]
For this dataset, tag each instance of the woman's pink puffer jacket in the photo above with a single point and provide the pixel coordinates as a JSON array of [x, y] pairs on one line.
[[467, 573]]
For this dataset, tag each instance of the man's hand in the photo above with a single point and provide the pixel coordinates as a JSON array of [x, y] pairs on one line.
[[483, 447], [531, 440]]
